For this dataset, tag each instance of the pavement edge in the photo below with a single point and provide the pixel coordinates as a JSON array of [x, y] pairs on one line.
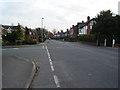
[[29, 82], [33, 72]]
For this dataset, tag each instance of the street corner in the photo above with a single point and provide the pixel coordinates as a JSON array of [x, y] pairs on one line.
[[18, 72]]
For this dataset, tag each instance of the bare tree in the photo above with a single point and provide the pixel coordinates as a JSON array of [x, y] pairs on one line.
[[54, 31]]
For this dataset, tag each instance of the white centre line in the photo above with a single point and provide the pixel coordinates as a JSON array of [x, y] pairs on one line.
[[52, 68], [56, 81]]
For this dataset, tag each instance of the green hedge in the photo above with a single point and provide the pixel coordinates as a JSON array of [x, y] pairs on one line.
[[29, 42], [6, 43], [88, 38]]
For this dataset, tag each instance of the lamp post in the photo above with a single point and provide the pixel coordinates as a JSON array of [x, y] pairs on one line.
[[42, 27]]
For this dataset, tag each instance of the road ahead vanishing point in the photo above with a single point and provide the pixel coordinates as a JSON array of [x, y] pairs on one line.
[[71, 64]]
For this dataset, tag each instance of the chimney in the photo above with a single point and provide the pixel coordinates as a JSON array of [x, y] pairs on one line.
[[88, 18], [82, 22]]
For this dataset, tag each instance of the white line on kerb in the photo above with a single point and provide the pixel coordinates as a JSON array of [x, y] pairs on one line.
[[52, 68], [56, 81]]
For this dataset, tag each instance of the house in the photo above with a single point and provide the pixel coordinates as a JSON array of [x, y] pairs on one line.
[[32, 35], [71, 32], [86, 27], [49, 35], [74, 31], [57, 34], [8, 29]]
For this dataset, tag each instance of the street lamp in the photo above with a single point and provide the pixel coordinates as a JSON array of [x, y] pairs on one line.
[[42, 27]]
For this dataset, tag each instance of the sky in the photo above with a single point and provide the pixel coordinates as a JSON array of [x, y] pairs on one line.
[[57, 14]]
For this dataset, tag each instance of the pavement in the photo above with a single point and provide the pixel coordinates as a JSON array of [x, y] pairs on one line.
[[17, 72], [71, 64]]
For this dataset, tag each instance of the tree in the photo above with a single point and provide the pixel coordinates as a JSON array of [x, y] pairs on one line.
[[13, 36], [26, 31], [19, 33], [54, 31], [107, 26]]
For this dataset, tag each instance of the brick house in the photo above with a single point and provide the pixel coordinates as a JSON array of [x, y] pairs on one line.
[[73, 31], [86, 27], [49, 35], [32, 35]]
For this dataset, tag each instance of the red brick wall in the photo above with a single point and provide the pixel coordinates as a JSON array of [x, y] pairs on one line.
[[88, 29], [50, 35], [75, 31], [32, 37]]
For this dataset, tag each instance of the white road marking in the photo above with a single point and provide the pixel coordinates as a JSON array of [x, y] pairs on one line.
[[52, 68], [10, 49], [50, 60], [43, 47], [15, 48], [56, 81], [2, 49]]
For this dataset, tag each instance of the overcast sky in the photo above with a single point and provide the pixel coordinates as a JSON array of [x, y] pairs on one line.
[[58, 14]]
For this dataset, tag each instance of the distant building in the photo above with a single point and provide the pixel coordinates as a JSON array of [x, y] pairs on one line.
[[49, 35], [119, 8]]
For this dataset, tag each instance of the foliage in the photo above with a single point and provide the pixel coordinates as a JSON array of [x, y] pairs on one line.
[[107, 26], [29, 42], [10, 38], [26, 31], [88, 38]]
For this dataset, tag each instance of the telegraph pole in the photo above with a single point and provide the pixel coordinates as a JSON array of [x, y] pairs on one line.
[[42, 27]]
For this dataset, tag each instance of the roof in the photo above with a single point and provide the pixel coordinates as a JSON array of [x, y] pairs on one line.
[[8, 26], [86, 23]]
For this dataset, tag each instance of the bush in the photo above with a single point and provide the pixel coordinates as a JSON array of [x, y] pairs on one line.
[[29, 42], [88, 38], [6, 43]]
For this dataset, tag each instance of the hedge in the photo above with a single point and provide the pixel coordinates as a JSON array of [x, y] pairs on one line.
[[29, 42], [88, 38]]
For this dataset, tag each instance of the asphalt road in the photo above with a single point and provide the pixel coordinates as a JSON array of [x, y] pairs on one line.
[[16, 72], [71, 65]]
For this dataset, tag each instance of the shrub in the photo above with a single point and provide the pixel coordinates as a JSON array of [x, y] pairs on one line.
[[88, 38], [6, 43], [29, 42]]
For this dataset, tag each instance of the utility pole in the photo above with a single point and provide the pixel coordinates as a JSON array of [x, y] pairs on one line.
[[42, 27]]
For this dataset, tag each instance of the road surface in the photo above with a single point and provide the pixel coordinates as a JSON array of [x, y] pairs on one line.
[[71, 65]]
